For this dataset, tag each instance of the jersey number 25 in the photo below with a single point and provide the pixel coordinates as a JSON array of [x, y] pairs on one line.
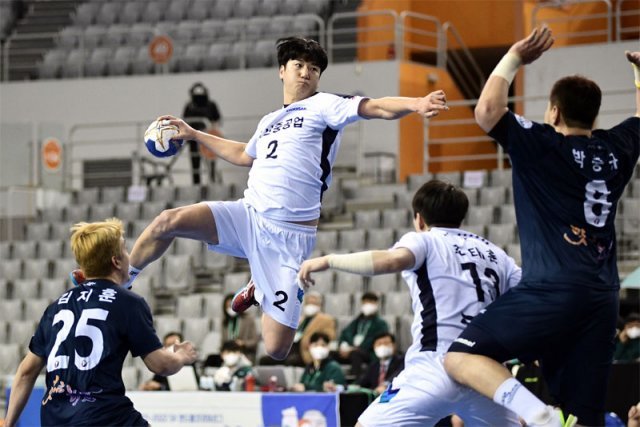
[[82, 329]]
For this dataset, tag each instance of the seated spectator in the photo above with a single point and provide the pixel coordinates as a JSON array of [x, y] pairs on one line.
[[387, 365], [240, 328], [323, 373], [356, 340], [313, 320], [628, 340], [235, 367], [159, 382]]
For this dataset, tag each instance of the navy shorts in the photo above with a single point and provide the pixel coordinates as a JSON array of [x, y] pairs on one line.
[[569, 329]]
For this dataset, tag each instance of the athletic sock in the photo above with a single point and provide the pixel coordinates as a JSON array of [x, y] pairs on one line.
[[133, 273], [514, 396]]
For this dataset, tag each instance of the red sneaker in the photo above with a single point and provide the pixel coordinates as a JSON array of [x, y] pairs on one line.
[[244, 299], [77, 277]]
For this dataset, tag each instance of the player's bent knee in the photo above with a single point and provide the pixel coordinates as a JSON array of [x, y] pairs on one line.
[[276, 352]]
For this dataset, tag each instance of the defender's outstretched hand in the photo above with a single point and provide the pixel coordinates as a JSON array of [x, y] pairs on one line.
[[185, 131], [633, 57], [530, 48], [430, 105], [188, 350], [310, 266]]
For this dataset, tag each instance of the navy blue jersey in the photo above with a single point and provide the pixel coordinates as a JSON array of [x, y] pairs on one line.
[[566, 192], [84, 337]]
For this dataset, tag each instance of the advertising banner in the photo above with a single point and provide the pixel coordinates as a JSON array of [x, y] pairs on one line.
[[300, 410]]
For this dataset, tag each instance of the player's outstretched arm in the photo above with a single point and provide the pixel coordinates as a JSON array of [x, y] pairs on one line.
[[366, 263], [492, 103], [634, 58], [227, 149], [166, 362], [22, 386], [395, 107]]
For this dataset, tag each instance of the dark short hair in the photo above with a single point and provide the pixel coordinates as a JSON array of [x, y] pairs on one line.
[[440, 204], [317, 336], [384, 335], [632, 317], [370, 296], [578, 100], [231, 345], [292, 48]]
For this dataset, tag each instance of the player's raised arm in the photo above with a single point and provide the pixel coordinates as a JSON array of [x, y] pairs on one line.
[[395, 107], [492, 103], [366, 263], [227, 149], [634, 58]]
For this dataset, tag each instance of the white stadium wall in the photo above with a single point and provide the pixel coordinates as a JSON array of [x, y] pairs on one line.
[[603, 63]]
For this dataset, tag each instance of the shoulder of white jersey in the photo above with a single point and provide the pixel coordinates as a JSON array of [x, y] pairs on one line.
[[330, 95], [342, 95]]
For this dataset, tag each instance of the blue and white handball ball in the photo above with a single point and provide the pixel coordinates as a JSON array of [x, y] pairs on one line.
[[159, 139]]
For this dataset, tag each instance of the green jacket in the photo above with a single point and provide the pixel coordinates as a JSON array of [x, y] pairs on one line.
[[628, 351], [370, 327], [330, 370]]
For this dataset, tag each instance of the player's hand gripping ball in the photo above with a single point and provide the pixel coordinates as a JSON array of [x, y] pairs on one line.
[[158, 139]]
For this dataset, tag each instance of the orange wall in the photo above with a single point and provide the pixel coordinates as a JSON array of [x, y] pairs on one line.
[[414, 82], [569, 12], [378, 44], [474, 19]]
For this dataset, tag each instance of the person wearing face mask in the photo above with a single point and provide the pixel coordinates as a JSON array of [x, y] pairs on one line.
[[628, 340], [235, 367], [313, 320], [240, 328], [323, 373], [388, 364], [356, 340], [198, 108]]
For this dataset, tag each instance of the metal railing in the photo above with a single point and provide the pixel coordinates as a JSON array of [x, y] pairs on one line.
[[607, 16], [334, 33], [395, 35], [479, 136], [461, 63], [621, 30], [420, 37]]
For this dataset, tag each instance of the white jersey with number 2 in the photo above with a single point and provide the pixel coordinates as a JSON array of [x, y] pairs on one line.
[[294, 150]]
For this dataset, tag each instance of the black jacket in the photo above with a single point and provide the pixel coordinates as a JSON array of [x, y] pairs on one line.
[[369, 378]]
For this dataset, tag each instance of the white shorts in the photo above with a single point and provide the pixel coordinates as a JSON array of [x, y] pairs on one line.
[[423, 394], [274, 249]]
